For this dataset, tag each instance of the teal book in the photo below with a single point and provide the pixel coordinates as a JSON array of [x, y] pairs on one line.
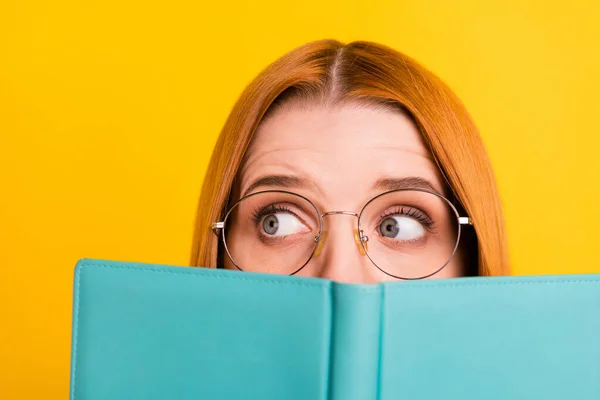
[[163, 332]]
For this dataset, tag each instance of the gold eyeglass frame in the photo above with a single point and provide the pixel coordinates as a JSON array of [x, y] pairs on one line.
[[219, 227]]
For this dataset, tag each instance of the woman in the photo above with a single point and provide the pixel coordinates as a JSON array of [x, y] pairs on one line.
[[352, 163]]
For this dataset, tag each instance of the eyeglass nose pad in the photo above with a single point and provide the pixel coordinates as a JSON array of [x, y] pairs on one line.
[[359, 239], [321, 242], [361, 242]]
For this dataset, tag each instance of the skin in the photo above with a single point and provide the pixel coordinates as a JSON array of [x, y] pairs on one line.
[[339, 153]]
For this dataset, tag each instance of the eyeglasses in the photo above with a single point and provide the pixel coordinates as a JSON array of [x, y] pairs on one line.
[[407, 233]]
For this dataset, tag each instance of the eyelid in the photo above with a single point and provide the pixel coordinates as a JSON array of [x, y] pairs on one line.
[[423, 217], [257, 216]]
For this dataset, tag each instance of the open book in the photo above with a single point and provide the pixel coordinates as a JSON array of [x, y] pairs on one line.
[[161, 332]]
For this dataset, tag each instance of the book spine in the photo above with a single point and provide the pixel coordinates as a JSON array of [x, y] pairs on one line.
[[355, 342]]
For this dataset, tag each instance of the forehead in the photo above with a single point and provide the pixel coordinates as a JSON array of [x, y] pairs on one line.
[[342, 150], [338, 128]]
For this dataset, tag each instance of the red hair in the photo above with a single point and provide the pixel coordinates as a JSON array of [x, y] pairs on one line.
[[330, 72]]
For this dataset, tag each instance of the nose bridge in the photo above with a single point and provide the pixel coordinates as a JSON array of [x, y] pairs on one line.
[[338, 232], [340, 259], [340, 213], [358, 235]]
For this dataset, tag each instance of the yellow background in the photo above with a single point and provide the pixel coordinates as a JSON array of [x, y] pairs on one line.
[[109, 111]]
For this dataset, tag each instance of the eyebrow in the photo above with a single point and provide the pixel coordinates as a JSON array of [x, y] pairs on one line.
[[411, 182], [386, 184], [284, 181]]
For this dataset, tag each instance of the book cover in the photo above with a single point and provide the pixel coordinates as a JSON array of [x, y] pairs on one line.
[[145, 331]]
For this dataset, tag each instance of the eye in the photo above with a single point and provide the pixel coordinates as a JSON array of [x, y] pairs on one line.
[[401, 228], [282, 224]]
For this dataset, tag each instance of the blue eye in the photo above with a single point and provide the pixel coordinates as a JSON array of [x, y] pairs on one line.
[[270, 224], [282, 224], [401, 227]]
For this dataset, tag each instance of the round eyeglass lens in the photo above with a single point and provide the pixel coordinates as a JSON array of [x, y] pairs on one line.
[[271, 232], [409, 234]]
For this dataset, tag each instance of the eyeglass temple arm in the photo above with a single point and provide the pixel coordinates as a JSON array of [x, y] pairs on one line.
[[217, 226], [461, 221]]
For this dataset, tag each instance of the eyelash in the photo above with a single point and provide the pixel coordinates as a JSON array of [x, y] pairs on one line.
[[260, 213], [411, 212]]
